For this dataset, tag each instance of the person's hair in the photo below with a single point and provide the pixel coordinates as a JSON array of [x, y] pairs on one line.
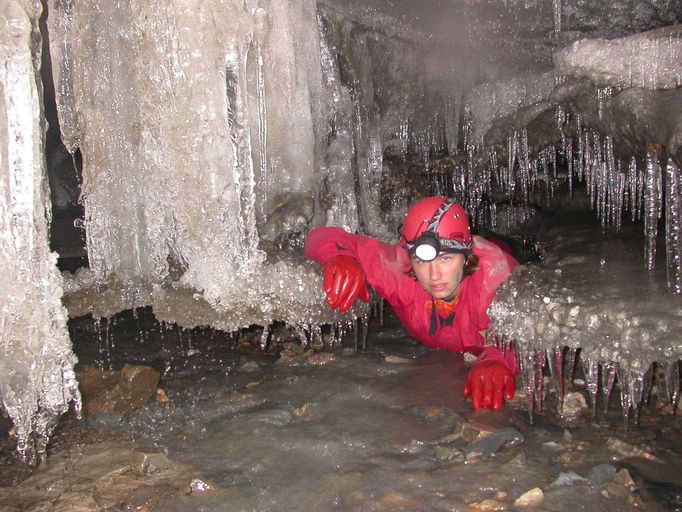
[[470, 266]]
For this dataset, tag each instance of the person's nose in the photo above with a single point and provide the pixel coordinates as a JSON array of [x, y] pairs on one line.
[[434, 271]]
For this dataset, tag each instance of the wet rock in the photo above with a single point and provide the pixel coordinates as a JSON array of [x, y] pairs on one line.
[[321, 358], [614, 490], [198, 486], [623, 478], [627, 450], [447, 454], [471, 432], [249, 367], [294, 358], [530, 498], [112, 490], [518, 463], [397, 501], [147, 463], [162, 397], [122, 391], [601, 474], [552, 446], [443, 414], [493, 443], [488, 505], [302, 411], [289, 221], [568, 479], [397, 360], [574, 406]]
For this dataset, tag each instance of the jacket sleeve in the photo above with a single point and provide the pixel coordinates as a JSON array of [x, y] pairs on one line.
[[385, 266], [497, 265]]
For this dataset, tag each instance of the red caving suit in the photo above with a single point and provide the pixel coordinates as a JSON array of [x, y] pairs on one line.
[[386, 269]]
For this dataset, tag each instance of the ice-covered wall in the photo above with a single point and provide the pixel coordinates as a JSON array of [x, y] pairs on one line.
[[37, 382]]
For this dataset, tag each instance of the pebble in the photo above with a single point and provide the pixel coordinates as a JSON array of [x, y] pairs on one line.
[[488, 505], [397, 360], [321, 358], [148, 463], [249, 367], [573, 406], [623, 478], [568, 479], [447, 454], [302, 411], [552, 446], [494, 442], [198, 486], [530, 498], [627, 450], [601, 474]]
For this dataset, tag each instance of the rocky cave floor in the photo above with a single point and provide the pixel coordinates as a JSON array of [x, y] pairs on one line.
[[234, 427]]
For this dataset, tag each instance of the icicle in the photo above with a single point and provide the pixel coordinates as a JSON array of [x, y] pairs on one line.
[[539, 383], [529, 373], [639, 386], [264, 338], [673, 227], [625, 399], [355, 334], [608, 376], [591, 370], [302, 335], [672, 382], [651, 208], [365, 327], [555, 359], [524, 166], [557, 17], [243, 175], [512, 149], [572, 358], [568, 152]]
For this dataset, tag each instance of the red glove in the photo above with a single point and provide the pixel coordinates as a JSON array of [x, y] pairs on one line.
[[343, 282], [489, 383]]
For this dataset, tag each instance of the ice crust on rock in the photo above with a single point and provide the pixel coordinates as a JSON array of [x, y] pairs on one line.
[[589, 295], [36, 361], [650, 60]]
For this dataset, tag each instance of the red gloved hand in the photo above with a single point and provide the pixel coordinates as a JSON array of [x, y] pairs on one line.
[[343, 282], [489, 383]]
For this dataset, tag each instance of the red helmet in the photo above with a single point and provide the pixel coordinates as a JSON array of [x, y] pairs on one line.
[[439, 223]]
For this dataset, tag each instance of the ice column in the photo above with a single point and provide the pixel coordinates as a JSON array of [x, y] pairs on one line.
[[37, 382]]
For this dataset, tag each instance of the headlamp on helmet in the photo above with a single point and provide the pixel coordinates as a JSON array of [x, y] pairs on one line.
[[429, 244]]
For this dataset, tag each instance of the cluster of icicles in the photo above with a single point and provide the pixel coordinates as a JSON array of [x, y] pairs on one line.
[[649, 189], [633, 380]]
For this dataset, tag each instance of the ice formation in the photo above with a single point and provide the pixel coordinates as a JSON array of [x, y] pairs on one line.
[[590, 295], [215, 133], [36, 363]]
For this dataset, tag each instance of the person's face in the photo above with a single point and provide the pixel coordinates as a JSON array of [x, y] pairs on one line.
[[440, 277]]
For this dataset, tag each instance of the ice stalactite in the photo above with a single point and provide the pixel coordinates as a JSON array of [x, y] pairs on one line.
[[260, 34], [652, 206], [37, 381], [673, 227], [243, 172], [557, 16]]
